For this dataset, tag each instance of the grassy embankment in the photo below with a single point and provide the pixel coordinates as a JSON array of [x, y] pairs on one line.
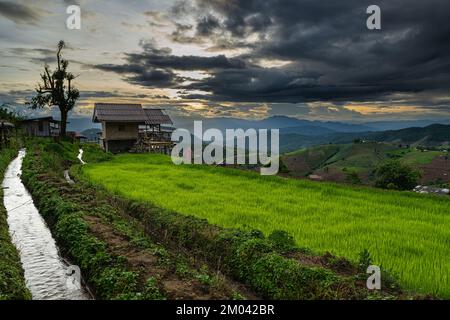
[[12, 282], [406, 233], [164, 254]]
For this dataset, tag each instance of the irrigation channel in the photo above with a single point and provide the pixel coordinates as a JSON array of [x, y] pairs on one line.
[[47, 274]]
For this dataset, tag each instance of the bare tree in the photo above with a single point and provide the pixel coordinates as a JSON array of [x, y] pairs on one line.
[[56, 89]]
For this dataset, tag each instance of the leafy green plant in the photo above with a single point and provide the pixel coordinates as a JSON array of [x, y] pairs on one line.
[[395, 175], [364, 260], [282, 240]]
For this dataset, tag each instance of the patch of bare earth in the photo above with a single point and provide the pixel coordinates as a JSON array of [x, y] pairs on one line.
[[331, 174], [438, 169], [297, 165]]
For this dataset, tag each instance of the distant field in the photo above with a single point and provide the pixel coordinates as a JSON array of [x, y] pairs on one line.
[[405, 232], [418, 157], [331, 162]]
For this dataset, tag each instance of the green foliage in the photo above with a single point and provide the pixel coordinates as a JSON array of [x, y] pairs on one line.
[[55, 156], [322, 216], [6, 114], [246, 254], [282, 167], [92, 153], [115, 282], [352, 177], [151, 291], [397, 176], [285, 279], [282, 240], [364, 260]]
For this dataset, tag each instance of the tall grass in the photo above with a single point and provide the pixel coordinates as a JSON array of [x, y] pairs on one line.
[[407, 233]]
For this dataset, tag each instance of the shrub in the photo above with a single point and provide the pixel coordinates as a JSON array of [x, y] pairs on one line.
[[364, 260], [352, 177], [280, 278], [395, 175], [282, 240]]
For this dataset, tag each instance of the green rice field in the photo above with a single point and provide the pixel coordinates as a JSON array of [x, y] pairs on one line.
[[407, 233]]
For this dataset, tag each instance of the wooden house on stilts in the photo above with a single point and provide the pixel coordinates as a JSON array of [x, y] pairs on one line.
[[131, 128]]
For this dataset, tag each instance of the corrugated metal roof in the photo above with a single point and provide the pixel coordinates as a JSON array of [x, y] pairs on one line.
[[49, 119], [156, 116], [112, 112], [118, 112]]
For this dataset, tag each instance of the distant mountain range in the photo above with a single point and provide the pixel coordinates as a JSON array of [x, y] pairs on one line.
[[290, 125], [432, 135], [298, 133], [306, 127], [81, 124], [91, 134]]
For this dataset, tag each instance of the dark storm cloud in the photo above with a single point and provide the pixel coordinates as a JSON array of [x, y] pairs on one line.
[[162, 58], [330, 39], [40, 56], [329, 52], [207, 25], [143, 75], [17, 12], [180, 34], [14, 96], [154, 67]]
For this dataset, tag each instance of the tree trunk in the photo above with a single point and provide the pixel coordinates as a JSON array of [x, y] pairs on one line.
[[63, 126]]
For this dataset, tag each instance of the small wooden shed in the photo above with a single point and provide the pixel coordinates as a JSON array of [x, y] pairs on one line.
[[41, 127], [126, 126]]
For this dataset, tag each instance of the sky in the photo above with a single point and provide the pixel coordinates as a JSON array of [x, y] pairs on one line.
[[247, 59]]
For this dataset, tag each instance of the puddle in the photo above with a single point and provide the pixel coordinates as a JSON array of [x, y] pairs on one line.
[[46, 273]]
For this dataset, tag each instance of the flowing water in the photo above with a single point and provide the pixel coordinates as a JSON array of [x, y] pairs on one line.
[[47, 275], [80, 156]]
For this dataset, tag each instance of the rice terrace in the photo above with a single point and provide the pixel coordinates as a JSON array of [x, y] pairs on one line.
[[343, 220]]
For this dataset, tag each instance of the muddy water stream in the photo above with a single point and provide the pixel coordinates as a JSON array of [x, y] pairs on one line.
[[46, 273]]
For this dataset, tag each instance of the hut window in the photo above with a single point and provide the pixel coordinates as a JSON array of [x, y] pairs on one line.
[[40, 126], [121, 128]]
